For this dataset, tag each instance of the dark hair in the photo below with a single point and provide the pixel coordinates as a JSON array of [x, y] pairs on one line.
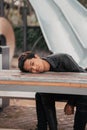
[[23, 57], [86, 69]]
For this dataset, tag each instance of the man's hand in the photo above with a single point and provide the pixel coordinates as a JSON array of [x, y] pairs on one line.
[[68, 109]]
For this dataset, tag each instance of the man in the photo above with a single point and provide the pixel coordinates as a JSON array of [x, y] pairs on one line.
[[45, 103]]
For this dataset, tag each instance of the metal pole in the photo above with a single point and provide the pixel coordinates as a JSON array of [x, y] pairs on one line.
[[24, 16], [1, 8], [4, 56], [0, 59]]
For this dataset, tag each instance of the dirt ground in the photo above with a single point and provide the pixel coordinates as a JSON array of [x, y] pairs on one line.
[[21, 114]]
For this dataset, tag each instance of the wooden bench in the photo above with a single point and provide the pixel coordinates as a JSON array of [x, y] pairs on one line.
[[14, 83]]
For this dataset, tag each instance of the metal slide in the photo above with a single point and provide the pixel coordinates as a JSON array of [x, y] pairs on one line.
[[63, 23]]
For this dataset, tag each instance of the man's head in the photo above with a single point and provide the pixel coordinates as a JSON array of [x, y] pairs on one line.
[[30, 62], [22, 58]]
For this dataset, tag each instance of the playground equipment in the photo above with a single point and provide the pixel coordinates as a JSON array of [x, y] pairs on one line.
[[63, 23], [7, 46], [7, 36]]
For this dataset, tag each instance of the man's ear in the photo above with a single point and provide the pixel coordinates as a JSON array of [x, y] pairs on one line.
[[36, 56]]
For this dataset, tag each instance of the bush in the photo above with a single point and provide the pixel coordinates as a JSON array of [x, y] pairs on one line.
[[35, 40]]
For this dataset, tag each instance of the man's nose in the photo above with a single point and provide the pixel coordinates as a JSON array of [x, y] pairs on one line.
[[33, 67], [34, 70]]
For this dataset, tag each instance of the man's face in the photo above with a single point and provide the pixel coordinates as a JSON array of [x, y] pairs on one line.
[[34, 65]]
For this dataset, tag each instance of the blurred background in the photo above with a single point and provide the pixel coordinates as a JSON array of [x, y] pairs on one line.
[[27, 32]]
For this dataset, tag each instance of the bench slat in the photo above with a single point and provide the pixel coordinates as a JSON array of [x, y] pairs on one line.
[[51, 82]]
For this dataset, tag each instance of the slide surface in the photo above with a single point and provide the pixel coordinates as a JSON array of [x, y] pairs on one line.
[[64, 27]]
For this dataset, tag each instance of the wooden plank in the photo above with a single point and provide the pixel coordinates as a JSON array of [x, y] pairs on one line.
[[14, 81], [9, 77], [16, 75]]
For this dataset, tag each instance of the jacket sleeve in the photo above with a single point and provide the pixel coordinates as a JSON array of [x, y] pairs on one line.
[[70, 64]]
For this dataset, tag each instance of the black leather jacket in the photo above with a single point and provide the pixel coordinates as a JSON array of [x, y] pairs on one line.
[[63, 63]]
